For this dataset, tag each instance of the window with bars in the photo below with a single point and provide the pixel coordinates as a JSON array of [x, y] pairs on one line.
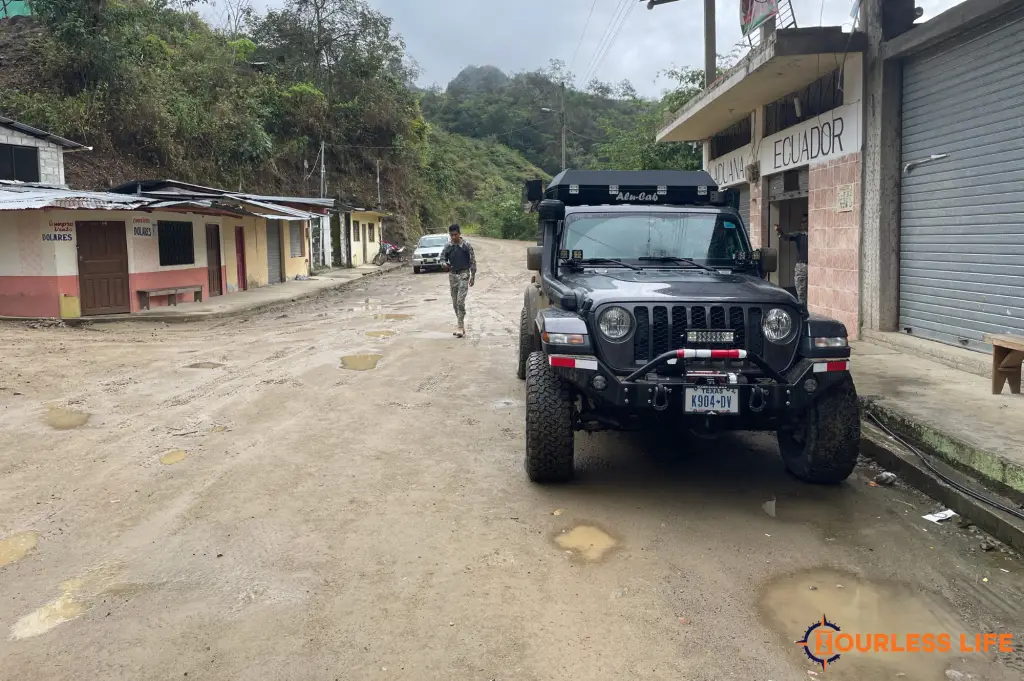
[[176, 242], [19, 163], [371, 226], [296, 242], [732, 138], [355, 231], [820, 96]]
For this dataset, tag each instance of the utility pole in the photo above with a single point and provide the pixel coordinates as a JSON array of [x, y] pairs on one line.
[[710, 49], [379, 203], [561, 116], [323, 172], [563, 125]]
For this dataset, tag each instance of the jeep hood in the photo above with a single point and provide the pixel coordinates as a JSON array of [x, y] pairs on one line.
[[608, 285]]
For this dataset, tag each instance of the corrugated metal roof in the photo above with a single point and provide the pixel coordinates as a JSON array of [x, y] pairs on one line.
[[42, 134], [311, 201], [25, 198], [282, 212]]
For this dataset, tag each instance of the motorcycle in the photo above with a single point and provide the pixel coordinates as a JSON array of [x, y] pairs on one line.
[[388, 253]]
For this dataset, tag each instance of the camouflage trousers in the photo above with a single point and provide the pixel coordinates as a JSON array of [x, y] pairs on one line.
[[800, 281], [459, 284]]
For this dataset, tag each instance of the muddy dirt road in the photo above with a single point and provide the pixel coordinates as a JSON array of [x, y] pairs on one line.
[[228, 500]]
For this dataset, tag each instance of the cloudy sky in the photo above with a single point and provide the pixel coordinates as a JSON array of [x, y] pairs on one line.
[[444, 36]]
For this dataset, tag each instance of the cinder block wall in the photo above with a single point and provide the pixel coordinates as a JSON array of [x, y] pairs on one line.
[[51, 157]]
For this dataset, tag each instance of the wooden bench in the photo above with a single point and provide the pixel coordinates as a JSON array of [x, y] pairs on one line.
[[1007, 355], [172, 291]]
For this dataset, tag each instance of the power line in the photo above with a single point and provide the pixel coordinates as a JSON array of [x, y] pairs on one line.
[[604, 38], [586, 25], [624, 17]]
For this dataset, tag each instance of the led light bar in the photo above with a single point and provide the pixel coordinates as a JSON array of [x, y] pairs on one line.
[[710, 336]]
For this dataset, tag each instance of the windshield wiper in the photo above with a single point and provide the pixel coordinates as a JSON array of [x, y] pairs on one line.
[[672, 258], [604, 261]]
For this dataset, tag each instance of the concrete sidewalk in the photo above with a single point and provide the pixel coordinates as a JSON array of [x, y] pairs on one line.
[[948, 412], [246, 301]]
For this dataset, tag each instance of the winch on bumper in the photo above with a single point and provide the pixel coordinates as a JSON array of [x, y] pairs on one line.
[[750, 390]]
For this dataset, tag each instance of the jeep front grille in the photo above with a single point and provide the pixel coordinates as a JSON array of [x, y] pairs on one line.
[[660, 328]]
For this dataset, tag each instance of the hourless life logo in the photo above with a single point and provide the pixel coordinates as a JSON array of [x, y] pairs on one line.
[[811, 640]]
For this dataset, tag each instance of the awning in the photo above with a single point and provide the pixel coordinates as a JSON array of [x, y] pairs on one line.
[[787, 61]]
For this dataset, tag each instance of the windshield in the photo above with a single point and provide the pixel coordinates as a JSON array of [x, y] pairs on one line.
[[704, 237], [433, 241]]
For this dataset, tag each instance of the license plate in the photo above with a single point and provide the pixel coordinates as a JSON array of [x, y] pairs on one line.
[[429, 261], [705, 399]]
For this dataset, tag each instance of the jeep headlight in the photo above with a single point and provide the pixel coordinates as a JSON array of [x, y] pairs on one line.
[[777, 325], [615, 323]]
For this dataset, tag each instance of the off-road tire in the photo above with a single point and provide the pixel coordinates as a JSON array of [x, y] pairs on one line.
[[824, 450], [415, 270], [525, 344], [549, 426]]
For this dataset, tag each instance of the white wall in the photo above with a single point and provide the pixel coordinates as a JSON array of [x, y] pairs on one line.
[[51, 156]]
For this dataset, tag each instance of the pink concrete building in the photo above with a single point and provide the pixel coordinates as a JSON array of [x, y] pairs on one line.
[[66, 253]]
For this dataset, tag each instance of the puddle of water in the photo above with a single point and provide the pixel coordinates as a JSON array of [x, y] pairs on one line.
[[587, 542], [392, 316], [174, 456], [360, 362], [204, 365], [387, 333], [793, 603], [56, 612], [14, 547], [48, 617], [65, 419]]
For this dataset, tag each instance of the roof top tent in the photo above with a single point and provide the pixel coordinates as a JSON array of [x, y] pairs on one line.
[[631, 187]]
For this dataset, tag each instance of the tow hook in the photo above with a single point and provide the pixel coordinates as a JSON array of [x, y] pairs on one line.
[[757, 401], [660, 401]]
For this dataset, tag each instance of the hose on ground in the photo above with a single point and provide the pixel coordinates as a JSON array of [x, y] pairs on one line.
[[1016, 513]]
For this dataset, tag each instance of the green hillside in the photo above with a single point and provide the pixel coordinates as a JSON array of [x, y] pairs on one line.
[[158, 92]]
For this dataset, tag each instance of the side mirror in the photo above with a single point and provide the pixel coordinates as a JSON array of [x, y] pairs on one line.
[[534, 190], [534, 255], [769, 260]]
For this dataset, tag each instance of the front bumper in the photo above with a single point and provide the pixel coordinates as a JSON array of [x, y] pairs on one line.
[[758, 395], [426, 263]]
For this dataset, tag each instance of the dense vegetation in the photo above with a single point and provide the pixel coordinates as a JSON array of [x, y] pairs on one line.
[[157, 91]]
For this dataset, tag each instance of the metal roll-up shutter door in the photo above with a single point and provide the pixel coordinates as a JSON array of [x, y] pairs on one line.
[[744, 191], [962, 196], [274, 251]]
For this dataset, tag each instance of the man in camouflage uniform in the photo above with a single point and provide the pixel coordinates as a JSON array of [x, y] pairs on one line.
[[460, 261]]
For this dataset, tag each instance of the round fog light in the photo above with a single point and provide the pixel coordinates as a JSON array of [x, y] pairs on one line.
[[599, 383], [810, 385]]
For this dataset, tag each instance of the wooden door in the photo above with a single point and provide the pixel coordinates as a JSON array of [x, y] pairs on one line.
[[213, 260], [240, 258], [103, 267], [362, 237]]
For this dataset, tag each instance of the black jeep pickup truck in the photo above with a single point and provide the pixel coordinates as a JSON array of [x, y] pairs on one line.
[[650, 309]]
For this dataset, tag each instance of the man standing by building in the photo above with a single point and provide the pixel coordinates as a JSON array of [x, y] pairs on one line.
[[460, 261], [800, 268]]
